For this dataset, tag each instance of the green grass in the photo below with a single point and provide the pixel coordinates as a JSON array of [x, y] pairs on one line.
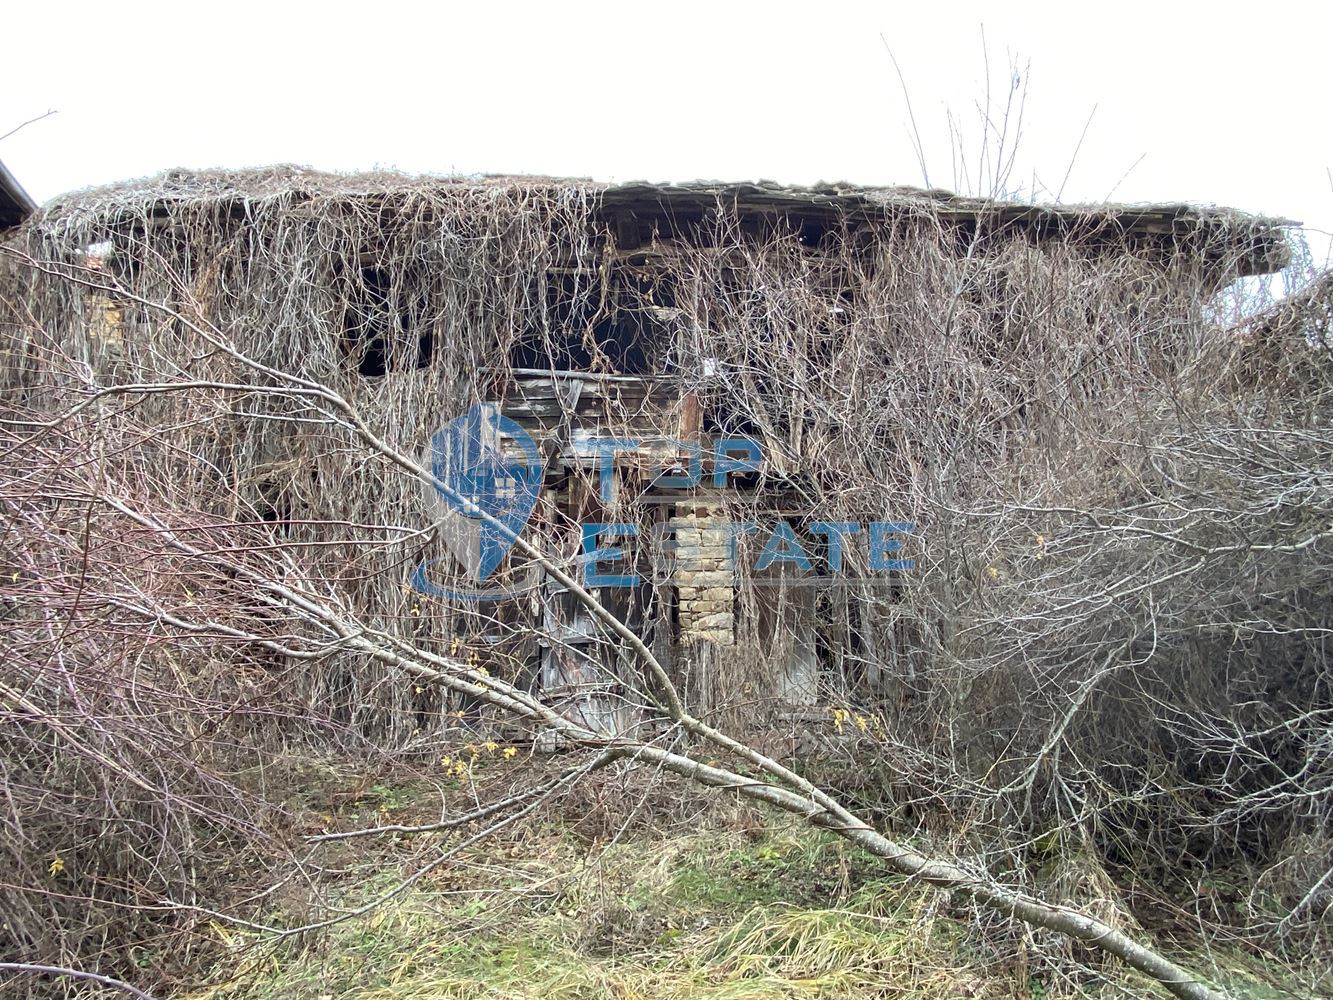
[[710, 915], [793, 914]]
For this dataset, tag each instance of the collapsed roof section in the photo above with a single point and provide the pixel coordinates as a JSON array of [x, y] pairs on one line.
[[1231, 242]]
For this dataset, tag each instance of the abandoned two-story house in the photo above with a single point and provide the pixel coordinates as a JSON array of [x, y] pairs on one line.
[[764, 382]]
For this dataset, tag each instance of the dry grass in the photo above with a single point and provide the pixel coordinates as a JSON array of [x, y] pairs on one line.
[[787, 913]]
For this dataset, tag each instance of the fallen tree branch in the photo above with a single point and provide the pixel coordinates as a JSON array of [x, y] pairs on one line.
[[92, 977]]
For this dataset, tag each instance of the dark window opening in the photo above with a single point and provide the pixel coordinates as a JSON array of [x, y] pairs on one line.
[[379, 323], [559, 344], [624, 343], [622, 333], [811, 233], [273, 505], [425, 348], [567, 353], [725, 421]]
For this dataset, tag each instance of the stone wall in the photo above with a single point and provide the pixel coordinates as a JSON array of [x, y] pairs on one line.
[[704, 575]]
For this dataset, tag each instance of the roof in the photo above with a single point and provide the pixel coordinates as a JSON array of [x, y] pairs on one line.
[[1234, 240], [1247, 244], [15, 203]]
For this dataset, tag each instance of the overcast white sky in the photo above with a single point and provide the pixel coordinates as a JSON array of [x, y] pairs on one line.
[[1217, 103]]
